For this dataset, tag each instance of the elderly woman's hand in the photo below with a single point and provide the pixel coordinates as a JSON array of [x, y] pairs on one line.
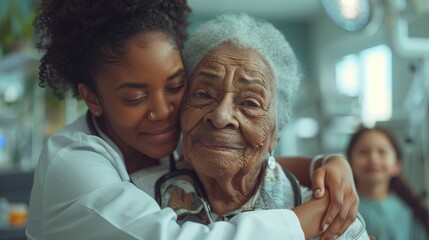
[[336, 175]]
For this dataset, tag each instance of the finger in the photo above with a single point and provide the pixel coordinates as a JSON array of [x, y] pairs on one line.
[[340, 220], [335, 206], [351, 217], [318, 185]]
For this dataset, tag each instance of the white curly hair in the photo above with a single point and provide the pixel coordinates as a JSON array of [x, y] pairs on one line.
[[247, 32]]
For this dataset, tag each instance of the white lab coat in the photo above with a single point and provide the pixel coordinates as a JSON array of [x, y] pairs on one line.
[[82, 191]]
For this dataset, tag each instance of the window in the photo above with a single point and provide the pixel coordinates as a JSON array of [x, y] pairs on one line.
[[347, 76], [367, 75]]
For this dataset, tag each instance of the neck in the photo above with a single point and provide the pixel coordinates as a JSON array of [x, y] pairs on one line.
[[138, 162], [374, 191], [228, 194]]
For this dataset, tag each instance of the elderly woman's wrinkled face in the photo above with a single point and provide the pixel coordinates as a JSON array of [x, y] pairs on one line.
[[228, 119]]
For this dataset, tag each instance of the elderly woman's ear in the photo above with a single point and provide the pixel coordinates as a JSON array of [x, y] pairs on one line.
[[272, 142]]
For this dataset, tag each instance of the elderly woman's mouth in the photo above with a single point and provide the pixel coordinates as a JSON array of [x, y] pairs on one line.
[[221, 146]]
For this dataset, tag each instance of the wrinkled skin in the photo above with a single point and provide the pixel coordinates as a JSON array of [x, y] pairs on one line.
[[228, 124]]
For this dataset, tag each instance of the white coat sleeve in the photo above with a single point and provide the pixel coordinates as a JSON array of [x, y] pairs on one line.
[[85, 198]]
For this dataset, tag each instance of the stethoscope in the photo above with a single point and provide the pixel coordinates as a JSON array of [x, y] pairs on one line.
[[174, 172]]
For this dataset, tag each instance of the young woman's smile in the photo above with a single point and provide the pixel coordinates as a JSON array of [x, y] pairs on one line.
[[163, 135]]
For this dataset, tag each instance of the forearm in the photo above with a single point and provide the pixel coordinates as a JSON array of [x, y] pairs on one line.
[[333, 173], [310, 215], [299, 166]]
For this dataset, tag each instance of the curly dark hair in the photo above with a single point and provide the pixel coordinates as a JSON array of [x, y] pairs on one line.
[[78, 36]]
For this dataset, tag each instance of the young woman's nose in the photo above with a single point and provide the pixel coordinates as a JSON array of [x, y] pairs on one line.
[[162, 108], [223, 116]]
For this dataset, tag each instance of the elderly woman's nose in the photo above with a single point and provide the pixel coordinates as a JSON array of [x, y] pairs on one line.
[[223, 115]]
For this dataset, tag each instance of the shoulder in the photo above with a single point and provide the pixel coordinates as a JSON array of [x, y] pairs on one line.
[[282, 187], [395, 202], [74, 147], [76, 138]]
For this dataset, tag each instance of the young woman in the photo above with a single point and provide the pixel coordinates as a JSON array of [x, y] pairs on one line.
[[123, 58], [388, 205]]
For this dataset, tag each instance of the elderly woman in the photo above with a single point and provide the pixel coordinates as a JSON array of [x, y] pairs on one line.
[[242, 76]]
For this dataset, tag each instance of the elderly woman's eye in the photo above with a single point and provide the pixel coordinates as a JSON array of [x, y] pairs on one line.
[[201, 94], [251, 104]]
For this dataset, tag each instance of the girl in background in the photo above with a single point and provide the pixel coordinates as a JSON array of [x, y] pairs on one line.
[[388, 205]]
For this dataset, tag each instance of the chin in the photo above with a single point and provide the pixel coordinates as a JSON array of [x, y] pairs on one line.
[[214, 170], [161, 151]]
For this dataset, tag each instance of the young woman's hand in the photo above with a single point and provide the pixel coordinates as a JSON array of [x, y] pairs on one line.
[[336, 176]]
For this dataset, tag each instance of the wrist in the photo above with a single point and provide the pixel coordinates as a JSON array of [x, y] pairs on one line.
[[325, 160], [313, 164], [329, 157]]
